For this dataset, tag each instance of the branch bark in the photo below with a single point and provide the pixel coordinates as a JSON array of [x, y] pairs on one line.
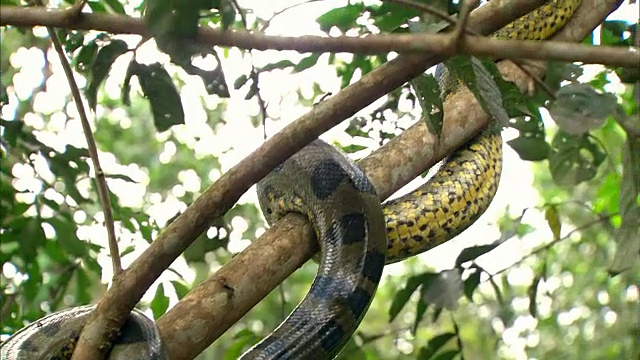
[[373, 44]]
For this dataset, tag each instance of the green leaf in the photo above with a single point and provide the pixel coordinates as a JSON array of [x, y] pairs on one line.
[[181, 289], [306, 63], [471, 284], [245, 338], [533, 295], [402, 296], [355, 127], [86, 56], [434, 345], [630, 184], [228, 14], [473, 252], [12, 131], [4, 97], [282, 64], [101, 66], [243, 333], [33, 238], [482, 78], [240, 81], [389, 16], [55, 253], [421, 309], [553, 220], [213, 80], [557, 74], [97, 7], [487, 90], [579, 108], [530, 149], [171, 18], [116, 6], [121, 177], [160, 302], [443, 291], [66, 237], [349, 149], [436, 314], [447, 355], [72, 41], [125, 94], [352, 350], [174, 27], [128, 250], [428, 93], [574, 159], [343, 18], [253, 91], [615, 33], [163, 96]]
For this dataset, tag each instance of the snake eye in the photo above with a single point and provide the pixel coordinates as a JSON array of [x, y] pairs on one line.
[[269, 211]]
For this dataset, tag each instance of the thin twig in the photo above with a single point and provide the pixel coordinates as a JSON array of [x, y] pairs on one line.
[[102, 187], [458, 31], [255, 75], [551, 243], [366, 338], [268, 22], [75, 11]]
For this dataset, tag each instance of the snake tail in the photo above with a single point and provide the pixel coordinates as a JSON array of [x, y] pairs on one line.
[[463, 188], [451, 201]]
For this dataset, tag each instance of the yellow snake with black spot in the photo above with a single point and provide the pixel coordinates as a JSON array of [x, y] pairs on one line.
[[322, 183]]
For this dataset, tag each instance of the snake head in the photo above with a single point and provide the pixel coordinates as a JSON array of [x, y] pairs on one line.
[[276, 202]]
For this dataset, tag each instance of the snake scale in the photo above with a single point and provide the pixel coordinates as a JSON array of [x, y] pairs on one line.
[[322, 183]]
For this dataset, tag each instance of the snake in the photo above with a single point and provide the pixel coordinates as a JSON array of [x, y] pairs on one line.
[[357, 236]]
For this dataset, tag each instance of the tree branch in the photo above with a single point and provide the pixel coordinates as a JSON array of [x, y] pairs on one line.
[[372, 44]]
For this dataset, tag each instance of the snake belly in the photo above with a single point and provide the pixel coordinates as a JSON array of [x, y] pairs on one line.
[[349, 223]]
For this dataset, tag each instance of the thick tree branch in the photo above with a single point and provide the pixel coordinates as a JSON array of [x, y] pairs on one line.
[[373, 44], [127, 289]]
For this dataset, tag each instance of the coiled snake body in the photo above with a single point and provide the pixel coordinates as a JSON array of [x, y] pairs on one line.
[[322, 184]]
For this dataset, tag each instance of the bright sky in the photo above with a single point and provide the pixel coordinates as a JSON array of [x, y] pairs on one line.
[[279, 90]]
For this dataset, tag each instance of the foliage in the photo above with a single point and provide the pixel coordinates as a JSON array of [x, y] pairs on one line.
[[574, 296]]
